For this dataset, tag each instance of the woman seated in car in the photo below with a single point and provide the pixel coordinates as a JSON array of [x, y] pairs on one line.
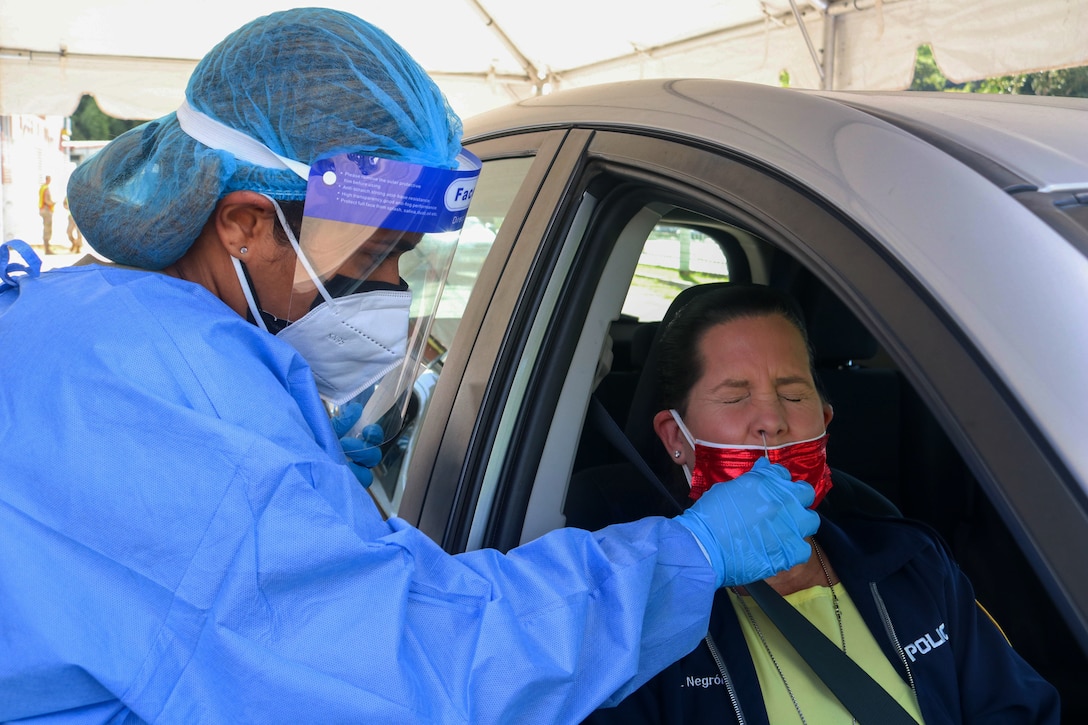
[[737, 385]]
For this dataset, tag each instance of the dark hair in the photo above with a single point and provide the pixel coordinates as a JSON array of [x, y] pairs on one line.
[[680, 365], [292, 212]]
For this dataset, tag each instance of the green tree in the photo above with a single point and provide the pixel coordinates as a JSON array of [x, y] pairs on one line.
[[1061, 82], [90, 124], [927, 76]]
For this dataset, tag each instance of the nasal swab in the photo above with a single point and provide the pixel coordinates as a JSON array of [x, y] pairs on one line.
[[766, 451]]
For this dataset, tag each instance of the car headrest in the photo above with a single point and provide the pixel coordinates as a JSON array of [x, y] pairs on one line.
[[837, 337], [644, 404]]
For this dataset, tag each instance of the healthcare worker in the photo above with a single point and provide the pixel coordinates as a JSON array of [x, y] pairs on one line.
[[181, 536]]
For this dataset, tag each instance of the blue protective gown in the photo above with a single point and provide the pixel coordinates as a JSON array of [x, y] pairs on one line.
[[180, 541]]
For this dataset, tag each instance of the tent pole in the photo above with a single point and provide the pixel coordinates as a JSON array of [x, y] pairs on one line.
[[827, 78], [808, 41], [531, 71]]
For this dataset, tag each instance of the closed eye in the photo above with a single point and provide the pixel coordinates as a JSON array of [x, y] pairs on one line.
[[725, 396], [796, 392], [794, 389], [730, 392]]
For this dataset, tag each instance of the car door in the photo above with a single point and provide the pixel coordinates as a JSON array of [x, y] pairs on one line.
[[498, 446]]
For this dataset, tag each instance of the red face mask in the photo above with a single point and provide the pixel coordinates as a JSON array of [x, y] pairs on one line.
[[805, 460]]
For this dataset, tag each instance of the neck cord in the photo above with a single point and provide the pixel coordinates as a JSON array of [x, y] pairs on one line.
[[834, 596], [766, 645]]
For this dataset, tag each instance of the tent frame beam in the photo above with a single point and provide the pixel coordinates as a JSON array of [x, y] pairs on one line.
[[533, 74], [815, 54], [824, 59]]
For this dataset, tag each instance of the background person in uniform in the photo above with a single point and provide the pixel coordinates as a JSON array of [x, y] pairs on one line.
[[45, 209], [75, 237], [181, 537]]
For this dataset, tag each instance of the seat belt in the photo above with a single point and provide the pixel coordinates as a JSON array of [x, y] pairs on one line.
[[858, 692], [607, 425]]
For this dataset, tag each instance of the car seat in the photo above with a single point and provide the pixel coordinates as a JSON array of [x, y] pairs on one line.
[[864, 435]]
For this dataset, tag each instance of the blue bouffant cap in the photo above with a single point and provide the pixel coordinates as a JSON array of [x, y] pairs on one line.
[[307, 83]]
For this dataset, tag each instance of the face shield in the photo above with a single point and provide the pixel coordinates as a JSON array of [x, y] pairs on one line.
[[362, 214]]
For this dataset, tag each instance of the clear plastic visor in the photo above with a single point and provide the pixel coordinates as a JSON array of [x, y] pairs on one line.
[[366, 222], [362, 212]]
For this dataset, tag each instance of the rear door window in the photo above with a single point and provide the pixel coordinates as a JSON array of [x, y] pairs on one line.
[[673, 258]]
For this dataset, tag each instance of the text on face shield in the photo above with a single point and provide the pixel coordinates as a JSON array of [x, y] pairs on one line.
[[459, 194]]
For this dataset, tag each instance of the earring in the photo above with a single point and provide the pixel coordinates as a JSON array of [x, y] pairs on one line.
[[243, 250], [676, 454]]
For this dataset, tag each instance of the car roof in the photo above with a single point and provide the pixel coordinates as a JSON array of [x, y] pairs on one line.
[[1039, 140], [880, 157]]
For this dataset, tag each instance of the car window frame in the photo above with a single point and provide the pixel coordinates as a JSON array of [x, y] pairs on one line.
[[986, 424], [446, 476]]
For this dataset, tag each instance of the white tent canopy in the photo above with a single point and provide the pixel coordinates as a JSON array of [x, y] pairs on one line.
[[135, 56]]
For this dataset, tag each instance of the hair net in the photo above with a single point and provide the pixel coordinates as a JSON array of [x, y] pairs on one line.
[[307, 83]]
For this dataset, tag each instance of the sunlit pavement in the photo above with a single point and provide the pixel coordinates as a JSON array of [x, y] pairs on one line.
[[60, 257]]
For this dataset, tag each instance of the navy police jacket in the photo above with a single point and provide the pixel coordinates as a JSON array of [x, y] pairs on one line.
[[919, 606]]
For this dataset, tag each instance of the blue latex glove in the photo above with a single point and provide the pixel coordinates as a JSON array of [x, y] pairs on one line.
[[363, 452], [754, 526]]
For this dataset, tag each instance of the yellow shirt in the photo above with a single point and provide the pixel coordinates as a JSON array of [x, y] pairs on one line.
[[816, 701], [45, 198]]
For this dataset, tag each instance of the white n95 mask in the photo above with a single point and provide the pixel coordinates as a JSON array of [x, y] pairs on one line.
[[352, 342], [349, 342]]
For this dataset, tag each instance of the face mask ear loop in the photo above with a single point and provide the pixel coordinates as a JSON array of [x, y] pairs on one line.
[[687, 437], [248, 292], [687, 474], [298, 251], [683, 428]]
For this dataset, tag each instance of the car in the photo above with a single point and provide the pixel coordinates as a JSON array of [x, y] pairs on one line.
[[938, 243]]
